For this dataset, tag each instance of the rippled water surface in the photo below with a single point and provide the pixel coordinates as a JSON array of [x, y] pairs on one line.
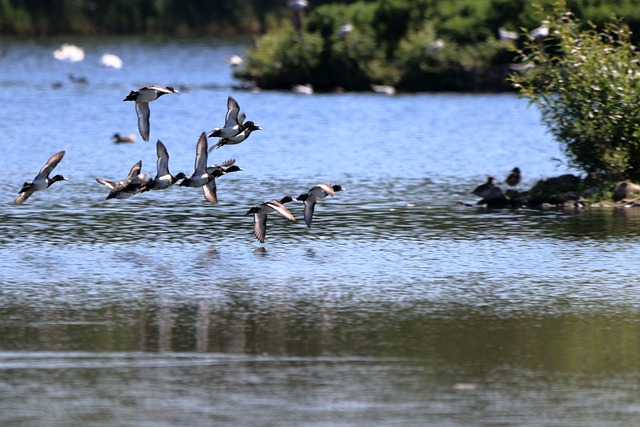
[[398, 307]]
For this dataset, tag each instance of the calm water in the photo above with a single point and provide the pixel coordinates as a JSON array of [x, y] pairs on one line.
[[399, 307]]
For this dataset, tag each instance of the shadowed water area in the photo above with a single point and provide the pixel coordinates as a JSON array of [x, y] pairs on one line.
[[398, 306]]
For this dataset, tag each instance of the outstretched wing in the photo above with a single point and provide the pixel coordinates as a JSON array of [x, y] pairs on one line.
[[260, 226], [210, 191], [50, 165], [163, 159], [281, 209], [231, 118], [309, 207], [143, 112]]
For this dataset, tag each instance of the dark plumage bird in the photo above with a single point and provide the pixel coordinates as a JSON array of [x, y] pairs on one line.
[[514, 177], [163, 178], [482, 190], [133, 184], [42, 180], [261, 211], [123, 139], [318, 192], [142, 98]]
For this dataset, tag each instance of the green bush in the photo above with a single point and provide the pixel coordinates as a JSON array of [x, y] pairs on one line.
[[586, 83]]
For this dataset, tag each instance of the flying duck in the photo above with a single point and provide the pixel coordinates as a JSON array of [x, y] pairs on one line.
[[133, 184], [232, 121], [261, 211], [142, 98], [248, 127], [316, 193], [209, 189], [42, 180], [200, 176], [163, 178]]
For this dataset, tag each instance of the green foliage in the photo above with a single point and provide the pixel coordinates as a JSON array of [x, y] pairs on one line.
[[283, 58], [586, 83]]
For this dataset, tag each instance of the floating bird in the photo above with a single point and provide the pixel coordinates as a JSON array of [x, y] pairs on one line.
[[142, 98], [133, 184], [482, 190], [69, 52], [261, 211], [232, 121], [82, 80], [210, 189], [316, 193], [42, 180], [200, 175], [110, 60], [514, 177], [249, 127], [163, 178], [123, 139]]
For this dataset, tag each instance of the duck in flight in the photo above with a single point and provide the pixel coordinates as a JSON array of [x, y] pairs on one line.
[[142, 98], [233, 121], [318, 192], [201, 176], [133, 184], [42, 180], [210, 189], [261, 211], [163, 178], [249, 127]]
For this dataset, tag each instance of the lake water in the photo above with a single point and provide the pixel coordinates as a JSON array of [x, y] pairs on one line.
[[398, 306]]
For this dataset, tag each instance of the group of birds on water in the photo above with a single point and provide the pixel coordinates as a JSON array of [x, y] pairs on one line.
[[235, 130], [491, 194]]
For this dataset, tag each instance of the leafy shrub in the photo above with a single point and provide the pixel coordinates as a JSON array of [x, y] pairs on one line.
[[587, 86]]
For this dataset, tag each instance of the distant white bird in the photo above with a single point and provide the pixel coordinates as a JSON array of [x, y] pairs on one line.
[[298, 4], [435, 46], [385, 89], [69, 52], [234, 61], [303, 89], [110, 60], [345, 30], [505, 34], [541, 32]]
